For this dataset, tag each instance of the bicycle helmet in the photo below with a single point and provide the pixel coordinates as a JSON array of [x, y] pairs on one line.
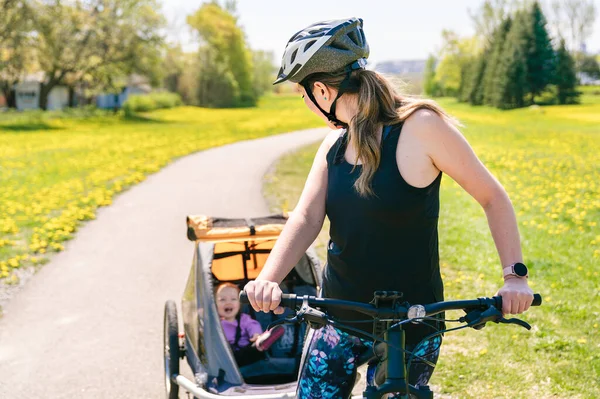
[[328, 46], [325, 46]]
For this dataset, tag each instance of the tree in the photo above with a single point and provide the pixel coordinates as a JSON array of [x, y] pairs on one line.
[[430, 85], [16, 57], [217, 87], [173, 65], [187, 83], [473, 90], [540, 54], [10, 18], [496, 51], [590, 66], [455, 54], [488, 17], [576, 17], [263, 72], [98, 41], [227, 48], [565, 76], [511, 84]]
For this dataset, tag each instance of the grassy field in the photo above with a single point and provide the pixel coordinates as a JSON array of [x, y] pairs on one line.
[[56, 169], [547, 159]]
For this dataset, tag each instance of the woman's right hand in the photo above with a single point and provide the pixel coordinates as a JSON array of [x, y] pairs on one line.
[[264, 296]]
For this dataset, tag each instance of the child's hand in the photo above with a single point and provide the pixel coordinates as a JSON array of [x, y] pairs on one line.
[[256, 344]]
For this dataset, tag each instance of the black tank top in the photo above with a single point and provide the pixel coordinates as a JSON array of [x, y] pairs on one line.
[[388, 241]]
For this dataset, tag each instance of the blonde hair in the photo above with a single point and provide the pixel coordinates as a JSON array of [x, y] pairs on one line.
[[226, 285], [378, 104]]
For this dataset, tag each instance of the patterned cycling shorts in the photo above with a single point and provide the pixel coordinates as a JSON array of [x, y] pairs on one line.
[[331, 361]]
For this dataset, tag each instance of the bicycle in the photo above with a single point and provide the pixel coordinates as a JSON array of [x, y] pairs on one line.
[[388, 309]]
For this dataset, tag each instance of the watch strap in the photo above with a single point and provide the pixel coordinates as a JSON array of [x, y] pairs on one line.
[[510, 271]]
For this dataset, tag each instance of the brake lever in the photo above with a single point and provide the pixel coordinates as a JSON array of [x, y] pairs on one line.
[[313, 317], [478, 319], [514, 321]]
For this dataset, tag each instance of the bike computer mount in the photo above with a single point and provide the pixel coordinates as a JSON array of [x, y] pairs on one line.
[[384, 299]]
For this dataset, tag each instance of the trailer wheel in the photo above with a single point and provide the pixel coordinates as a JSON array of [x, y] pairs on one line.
[[171, 349]]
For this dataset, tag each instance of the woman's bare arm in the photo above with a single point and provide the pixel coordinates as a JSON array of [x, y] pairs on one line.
[[300, 231], [450, 152]]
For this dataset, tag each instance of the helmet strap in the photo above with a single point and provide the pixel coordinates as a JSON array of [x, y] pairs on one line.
[[329, 115], [345, 85]]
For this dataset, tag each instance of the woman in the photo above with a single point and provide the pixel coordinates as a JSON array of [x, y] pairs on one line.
[[378, 181]]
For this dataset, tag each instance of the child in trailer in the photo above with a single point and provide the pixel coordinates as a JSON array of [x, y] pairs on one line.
[[243, 333]]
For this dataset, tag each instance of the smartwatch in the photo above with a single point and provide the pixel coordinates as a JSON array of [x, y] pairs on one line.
[[518, 270]]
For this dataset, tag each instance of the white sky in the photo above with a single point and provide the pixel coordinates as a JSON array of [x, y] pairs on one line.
[[395, 29]]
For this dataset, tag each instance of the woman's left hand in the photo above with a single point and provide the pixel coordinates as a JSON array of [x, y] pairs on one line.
[[516, 295]]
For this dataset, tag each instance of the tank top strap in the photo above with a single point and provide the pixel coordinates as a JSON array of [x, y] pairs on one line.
[[336, 153], [389, 143]]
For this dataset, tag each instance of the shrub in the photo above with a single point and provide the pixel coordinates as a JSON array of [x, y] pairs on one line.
[[148, 102]]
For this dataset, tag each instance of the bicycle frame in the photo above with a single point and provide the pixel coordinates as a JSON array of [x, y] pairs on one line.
[[396, 371]]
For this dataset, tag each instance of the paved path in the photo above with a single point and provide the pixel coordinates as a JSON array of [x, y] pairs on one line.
[[89, 324]]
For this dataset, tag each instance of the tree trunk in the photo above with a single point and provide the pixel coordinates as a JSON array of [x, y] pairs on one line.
[[71, 96], [43, 100], [9, 94], [45, 89], [11, 98]]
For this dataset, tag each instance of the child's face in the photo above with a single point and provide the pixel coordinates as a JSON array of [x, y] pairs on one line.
[[228, 303]]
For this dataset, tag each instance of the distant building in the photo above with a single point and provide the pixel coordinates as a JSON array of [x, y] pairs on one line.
[[135, 85], [399, 67], [27, 94]]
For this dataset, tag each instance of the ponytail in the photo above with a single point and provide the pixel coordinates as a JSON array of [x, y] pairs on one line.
[[378, 104]]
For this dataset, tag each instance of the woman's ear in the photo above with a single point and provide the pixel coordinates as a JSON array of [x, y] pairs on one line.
[[321, 91]]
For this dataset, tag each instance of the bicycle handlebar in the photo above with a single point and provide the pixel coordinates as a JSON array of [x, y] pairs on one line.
[[293, 301]]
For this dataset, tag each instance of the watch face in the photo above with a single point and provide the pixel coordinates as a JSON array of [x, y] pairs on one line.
[[520, 269]]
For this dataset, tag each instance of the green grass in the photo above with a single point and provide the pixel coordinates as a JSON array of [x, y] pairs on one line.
[[57, 168], [547, 159]]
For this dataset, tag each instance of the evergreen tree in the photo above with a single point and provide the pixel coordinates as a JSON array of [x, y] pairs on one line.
[[565, 76], [495, 50], [511, 73], [473, 92], [540, 54], [466, 81]]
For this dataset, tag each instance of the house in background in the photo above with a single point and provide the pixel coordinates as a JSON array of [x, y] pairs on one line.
[[27, 94], [136, 84]]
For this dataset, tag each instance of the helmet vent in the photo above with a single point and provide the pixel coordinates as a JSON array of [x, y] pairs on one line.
[[309, 44], [319, 30], [294, 56], [354, 37]]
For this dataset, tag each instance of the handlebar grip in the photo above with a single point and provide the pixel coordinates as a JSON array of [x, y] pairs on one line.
[[287, 300], [537, 301]]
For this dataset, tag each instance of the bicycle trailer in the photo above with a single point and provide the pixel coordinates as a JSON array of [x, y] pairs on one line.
[[235, 251]]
